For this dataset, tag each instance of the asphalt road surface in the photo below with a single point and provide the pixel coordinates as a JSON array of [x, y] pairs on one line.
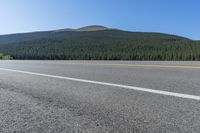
[[99, 96]]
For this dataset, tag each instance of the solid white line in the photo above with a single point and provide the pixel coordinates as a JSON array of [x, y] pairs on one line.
[[180, 95]]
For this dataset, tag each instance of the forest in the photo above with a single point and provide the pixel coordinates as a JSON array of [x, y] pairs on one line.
[[100, 45]]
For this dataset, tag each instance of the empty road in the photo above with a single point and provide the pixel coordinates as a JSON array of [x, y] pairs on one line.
[[99, 96]]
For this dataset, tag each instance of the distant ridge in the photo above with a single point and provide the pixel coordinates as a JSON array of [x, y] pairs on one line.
[[93, 28], [63, 30], [86, 28]]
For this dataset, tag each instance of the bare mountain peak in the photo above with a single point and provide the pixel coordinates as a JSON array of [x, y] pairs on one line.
[[93, 28], [86, 28]]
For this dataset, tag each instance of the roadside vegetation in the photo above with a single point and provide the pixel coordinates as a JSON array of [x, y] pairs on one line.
[[5, 57]]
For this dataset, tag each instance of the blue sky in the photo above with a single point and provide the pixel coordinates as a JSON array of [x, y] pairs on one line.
[[169, 16]]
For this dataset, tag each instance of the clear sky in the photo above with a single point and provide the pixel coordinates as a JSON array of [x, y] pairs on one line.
[[180, 17]]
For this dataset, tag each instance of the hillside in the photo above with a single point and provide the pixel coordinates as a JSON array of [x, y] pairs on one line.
[[99, 43]]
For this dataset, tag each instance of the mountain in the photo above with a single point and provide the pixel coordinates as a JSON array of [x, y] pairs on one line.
[[86, 28], [99, 43], [93, 28], [46, 34], [63, 30]]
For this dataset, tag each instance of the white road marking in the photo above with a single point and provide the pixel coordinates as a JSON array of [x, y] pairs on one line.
[[166, 93]]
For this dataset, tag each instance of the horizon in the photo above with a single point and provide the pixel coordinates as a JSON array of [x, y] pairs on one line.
[[129, 15]]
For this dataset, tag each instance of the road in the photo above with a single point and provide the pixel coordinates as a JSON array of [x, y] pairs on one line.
[[99, 96]]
